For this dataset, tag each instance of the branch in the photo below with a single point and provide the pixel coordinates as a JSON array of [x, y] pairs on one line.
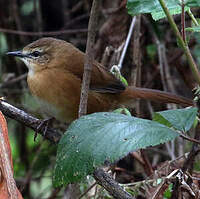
[[28, 120], [89, 57], [13, 81], [51, 33], [196, 23], [105, 180], [188, 138], [189, 163], [183, 21]]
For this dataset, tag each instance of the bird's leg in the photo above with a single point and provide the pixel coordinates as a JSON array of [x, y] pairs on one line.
[[43, 124]]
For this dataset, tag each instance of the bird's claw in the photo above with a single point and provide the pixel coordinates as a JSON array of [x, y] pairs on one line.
[[43, 126]]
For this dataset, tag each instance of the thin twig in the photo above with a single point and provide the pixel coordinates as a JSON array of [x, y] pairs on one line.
[[189, 138], [189, 162], [15, 10], [160, 189], [54, 193], [89, 57], [38, 13], [13, 81], [192, 17], [51, 33], [94, 184], [147, 165], [29, 173], [127, 42], [183, 20], [77, 19], [135, 77]]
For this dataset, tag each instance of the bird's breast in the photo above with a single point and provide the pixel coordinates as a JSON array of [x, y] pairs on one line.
[[49, 109], [57, 91]]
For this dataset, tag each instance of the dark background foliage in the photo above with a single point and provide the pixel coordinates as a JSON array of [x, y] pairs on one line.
[[23, 21]]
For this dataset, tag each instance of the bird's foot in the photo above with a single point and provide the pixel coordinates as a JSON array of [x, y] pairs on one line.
[[42, 126]]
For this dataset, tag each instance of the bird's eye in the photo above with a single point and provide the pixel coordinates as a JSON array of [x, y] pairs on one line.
[[36, 53]]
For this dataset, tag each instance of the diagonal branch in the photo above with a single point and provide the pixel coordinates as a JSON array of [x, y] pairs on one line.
[[105, 180], [28, 120]]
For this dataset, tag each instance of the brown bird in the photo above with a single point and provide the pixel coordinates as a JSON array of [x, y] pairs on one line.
[[55, 75]]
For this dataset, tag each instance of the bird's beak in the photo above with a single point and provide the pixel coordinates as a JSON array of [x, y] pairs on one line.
[[17, 54]]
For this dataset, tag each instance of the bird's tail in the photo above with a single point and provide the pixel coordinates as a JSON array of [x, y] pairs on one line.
[[132, 93]]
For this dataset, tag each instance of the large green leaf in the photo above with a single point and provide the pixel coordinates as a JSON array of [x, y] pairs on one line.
[[180, 119], [95, 138], [136, 7]]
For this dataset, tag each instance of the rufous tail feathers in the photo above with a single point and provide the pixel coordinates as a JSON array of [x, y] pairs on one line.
[[154, 95]]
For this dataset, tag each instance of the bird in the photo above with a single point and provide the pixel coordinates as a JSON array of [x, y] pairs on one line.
[[55, 72]]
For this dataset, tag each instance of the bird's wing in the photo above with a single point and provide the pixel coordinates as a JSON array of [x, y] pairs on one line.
[[103, 81]]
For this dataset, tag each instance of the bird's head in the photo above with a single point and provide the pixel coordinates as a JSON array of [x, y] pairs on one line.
[[40, 54]]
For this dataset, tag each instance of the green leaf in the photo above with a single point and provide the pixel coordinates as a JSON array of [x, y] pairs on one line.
[[192, 3], [124, 111], [173, 10], [180, 119], [159, 118], [136, 7], [27, 7], [151, 51], [193, 29], [168, 192], [3, 44], [123, 80], [99, 137]]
